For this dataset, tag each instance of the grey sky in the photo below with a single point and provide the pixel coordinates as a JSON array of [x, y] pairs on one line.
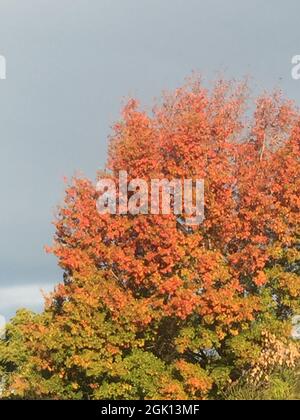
[[69, 65]]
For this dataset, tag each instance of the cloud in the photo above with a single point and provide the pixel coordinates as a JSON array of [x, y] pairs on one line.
[[24, 296]]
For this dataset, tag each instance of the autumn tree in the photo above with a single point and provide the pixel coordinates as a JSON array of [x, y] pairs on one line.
[[148, 308]]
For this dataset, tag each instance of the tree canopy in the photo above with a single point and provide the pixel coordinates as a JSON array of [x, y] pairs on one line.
[[149, 310]]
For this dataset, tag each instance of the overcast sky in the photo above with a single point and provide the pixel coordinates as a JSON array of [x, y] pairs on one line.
[[70, 63]]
